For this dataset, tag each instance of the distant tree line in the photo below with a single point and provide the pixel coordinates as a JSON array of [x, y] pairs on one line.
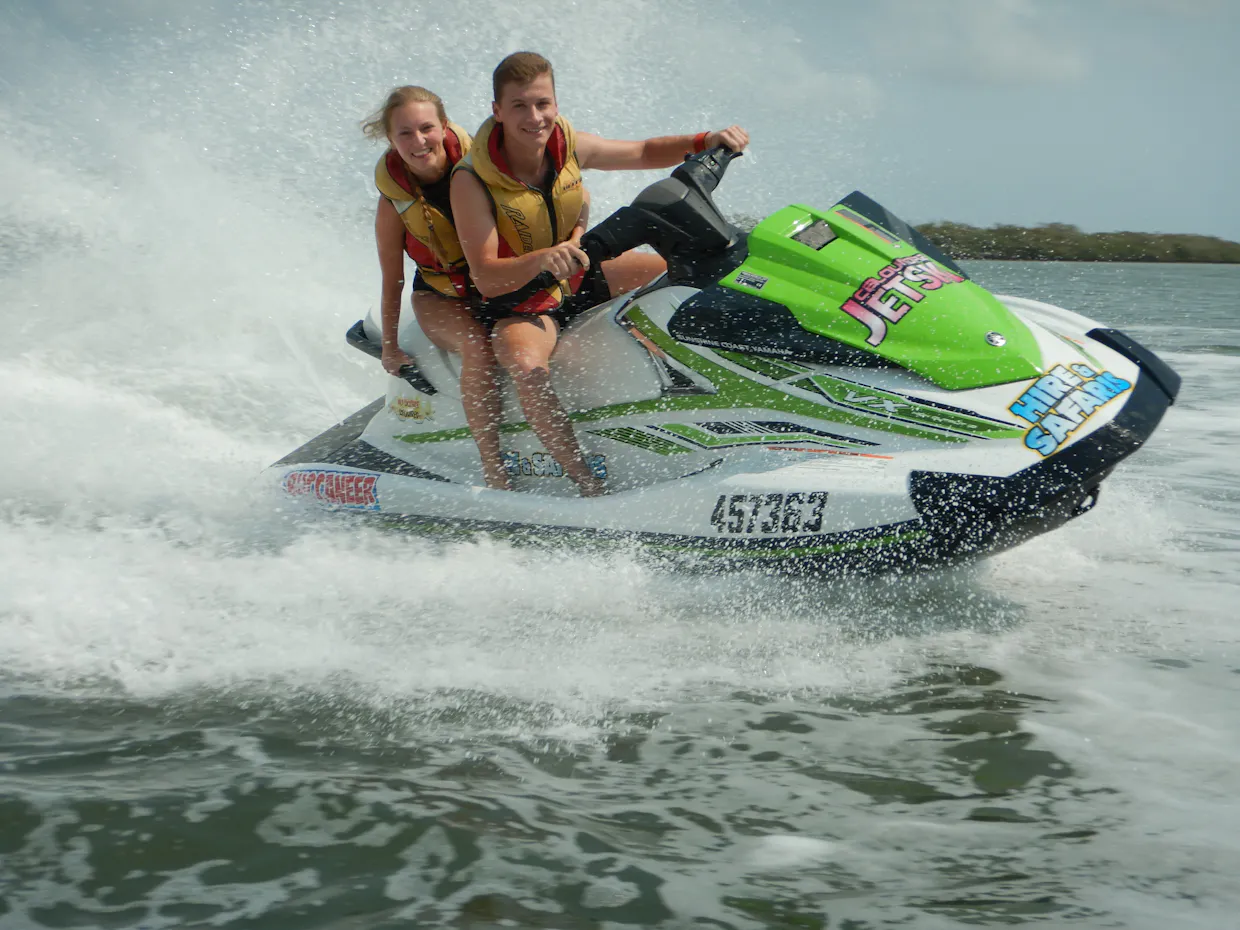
[[1065, 243]]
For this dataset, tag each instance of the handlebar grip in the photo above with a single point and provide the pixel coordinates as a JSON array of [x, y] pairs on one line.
[[596, 250], [547, 279], [414, 377]]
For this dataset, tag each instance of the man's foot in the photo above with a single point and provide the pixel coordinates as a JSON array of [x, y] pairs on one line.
[[590, 486]]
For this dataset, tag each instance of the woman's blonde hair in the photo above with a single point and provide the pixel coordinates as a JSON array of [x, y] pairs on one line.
[[378, 125]]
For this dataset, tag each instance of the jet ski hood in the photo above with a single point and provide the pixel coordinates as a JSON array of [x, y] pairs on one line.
[[860, 276]]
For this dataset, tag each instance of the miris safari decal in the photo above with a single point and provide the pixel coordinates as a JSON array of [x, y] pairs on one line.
[[544, 465], [1061, 401]]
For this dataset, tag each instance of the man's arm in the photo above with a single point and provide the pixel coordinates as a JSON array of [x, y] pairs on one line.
[[660, 152], [493, 276]]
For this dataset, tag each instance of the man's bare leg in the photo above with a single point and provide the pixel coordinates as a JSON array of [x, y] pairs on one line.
[[524, 347]]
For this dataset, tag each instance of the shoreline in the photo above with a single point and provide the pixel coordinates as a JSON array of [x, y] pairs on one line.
[[1089, 261], [1062, 242], [1065, 243]]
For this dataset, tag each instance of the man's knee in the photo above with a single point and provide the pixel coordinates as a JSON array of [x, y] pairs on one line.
[[526, 366]]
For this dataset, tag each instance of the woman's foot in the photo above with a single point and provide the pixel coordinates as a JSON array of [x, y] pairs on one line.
[[496, 476]]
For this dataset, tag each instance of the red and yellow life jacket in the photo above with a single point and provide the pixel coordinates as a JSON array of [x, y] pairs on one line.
[[527, 218], [422, 239]]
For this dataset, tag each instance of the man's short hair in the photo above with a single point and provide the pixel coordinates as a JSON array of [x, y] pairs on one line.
[[520, 68]]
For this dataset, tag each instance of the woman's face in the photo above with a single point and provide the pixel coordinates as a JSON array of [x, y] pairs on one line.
[[417, 135], [527, 112]]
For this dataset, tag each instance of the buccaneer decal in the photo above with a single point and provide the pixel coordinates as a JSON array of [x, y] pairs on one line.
[[889, 296], [346, 489], [1061, 401]]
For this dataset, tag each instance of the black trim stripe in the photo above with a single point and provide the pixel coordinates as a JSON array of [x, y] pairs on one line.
[[327, 443], [1162, 373]]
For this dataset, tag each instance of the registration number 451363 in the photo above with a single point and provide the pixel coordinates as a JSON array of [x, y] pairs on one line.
[[769, 513]]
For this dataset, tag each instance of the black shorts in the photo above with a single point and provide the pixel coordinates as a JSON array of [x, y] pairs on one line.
[[593, 291], [421, 285]]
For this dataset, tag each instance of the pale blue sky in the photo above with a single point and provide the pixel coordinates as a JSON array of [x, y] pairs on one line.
[[1107, 113], [1110, 114]]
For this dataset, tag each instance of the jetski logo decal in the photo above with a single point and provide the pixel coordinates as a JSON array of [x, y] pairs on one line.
[[338, 488], [769, 513], [412, 408], [544, 465], [889, 296], [1061, 401]]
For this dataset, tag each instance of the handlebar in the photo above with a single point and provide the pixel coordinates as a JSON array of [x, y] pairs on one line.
[[701, 173], [594, 251], [413, 375], [705, 170]]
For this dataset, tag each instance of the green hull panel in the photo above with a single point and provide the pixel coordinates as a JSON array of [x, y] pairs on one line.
[[868, 289]]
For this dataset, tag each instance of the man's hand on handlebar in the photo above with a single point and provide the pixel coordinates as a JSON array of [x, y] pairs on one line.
[[733, 137], [564, 260]]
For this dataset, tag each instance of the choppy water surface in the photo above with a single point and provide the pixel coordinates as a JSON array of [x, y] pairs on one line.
[[212, 717]]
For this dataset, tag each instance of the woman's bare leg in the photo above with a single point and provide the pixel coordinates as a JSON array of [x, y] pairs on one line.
[[449, 325], [523, 347], [631, 270]]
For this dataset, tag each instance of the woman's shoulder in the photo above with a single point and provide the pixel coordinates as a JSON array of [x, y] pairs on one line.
[[388, 176]]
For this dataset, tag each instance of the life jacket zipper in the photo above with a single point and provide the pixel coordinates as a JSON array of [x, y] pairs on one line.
[[555, 233]]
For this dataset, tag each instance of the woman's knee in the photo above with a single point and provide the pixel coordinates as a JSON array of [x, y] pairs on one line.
[[476, 348]]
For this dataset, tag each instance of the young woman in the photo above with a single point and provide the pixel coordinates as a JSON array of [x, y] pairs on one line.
[[521, 209], [415, 217]]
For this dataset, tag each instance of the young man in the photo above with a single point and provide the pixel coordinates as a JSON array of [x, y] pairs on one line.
[[521, 208]]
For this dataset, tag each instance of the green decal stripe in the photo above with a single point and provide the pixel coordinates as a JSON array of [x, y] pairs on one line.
[[909, 409], [716, 441], [735, 391], [443, 435], [518, 532], [775, 370], [1077, 347], [798, 552], [635, 437], [461, 432]]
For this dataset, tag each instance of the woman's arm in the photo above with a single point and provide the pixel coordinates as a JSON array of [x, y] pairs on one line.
[[660, 152], [390, 240], [494, 276]]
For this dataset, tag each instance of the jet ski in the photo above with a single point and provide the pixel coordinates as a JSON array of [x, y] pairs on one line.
[[828, 392]]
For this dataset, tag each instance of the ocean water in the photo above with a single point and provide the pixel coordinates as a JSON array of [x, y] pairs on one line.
[[211, 716]]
